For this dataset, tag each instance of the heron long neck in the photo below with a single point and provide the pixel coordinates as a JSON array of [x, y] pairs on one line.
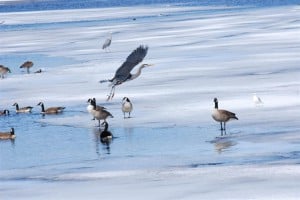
[[138, 73]]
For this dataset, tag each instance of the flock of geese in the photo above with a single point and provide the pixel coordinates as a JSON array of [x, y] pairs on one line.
[[98, 112], [26, 65], [122, 74], [101, 113]]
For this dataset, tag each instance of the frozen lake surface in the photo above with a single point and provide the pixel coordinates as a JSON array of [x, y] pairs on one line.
[[171, 148]]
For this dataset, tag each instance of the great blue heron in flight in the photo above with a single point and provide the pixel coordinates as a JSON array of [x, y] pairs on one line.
[[123, 72], [107, 42]]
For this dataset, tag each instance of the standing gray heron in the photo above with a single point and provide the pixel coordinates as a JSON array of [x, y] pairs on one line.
[[107, 42], [123, 72]]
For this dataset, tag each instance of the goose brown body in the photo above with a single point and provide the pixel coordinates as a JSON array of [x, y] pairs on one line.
[[27, 65], [4, 70], [8, 135], [100, 113], [50, 110], [22, 110], [221, 115], [4, 112]]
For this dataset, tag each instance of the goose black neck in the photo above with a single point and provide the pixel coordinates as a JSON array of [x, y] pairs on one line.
[[105, 126], [93, 103], [216, 105], [17, 106], [12, 132], [43, 108]]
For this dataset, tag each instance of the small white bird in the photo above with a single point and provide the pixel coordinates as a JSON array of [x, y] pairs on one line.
[[107, 42], [126, 106], [256, 100]]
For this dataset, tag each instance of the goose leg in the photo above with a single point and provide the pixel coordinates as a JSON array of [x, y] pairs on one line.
[[221, 126]]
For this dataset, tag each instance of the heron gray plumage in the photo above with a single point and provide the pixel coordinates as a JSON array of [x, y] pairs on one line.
[[107, 42], [123, 72]]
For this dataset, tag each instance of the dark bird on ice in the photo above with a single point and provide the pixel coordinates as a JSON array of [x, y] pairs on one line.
[[222, 116], [27, 65], [4, 70]]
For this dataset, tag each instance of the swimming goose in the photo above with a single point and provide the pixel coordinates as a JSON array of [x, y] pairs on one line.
[[22, 110], [222, 115], [105, 135], [51, 110], [4, 112], [8, 135], [100, 113], [27, 65], [126, 106], [4, 70]]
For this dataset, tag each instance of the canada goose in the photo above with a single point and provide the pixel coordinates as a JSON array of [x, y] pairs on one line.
[[4, 112], [8, 135], [222, 115], [105, 135], [256, 100], [22, 110], [4, 70], [100, 113], [38, 71], [27, 65], [126, 106], [90, 107], [51, 110]]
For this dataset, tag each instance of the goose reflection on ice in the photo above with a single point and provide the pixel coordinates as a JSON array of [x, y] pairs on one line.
[[223, 143]]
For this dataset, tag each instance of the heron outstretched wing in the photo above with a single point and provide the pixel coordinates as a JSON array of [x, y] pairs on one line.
[[132, 60]]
